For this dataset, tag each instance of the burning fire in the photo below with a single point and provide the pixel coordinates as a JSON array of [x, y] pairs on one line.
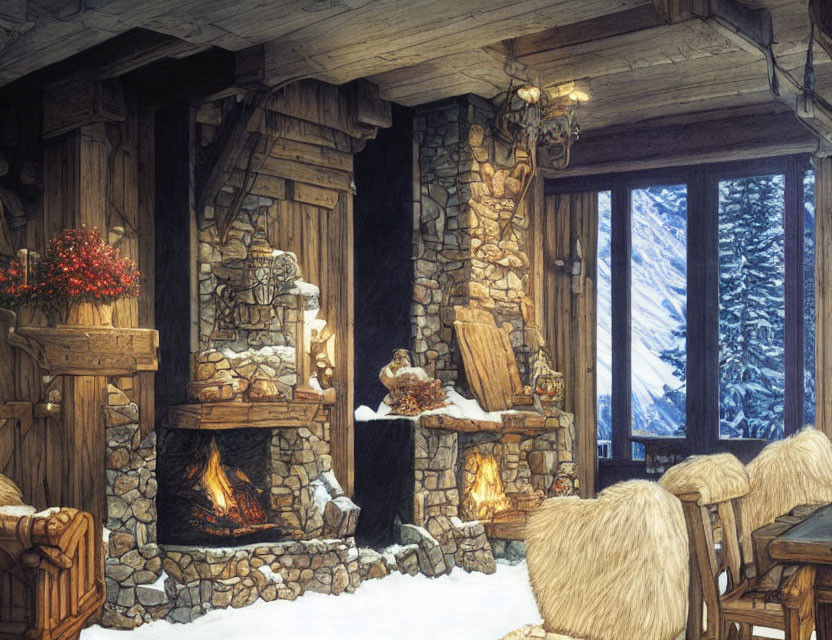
[[484, 497], [227, 503], [216, 484]]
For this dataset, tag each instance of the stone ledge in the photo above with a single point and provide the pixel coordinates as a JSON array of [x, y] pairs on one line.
[[203, 579], [521, 422]]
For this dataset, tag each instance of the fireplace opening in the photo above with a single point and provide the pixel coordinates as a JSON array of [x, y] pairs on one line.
[[496, 489], [484, 496], [213, 489]]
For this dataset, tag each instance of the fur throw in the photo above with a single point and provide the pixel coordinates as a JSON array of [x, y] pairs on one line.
[[788, 473], [10, 495], [715, 478], [611, 568]]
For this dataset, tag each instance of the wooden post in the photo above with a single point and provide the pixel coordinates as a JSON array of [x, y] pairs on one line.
[[823, 294], [76, 172]]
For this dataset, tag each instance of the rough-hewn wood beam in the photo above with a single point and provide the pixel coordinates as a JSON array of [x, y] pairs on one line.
[[821, 11], [608, 26], [736, 134]]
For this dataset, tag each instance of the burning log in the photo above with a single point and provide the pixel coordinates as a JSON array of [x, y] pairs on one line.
[[225, 503], [484, 495]]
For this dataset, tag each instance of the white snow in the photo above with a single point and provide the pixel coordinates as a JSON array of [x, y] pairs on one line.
[[306, 289], [458, 407], [462, 606]]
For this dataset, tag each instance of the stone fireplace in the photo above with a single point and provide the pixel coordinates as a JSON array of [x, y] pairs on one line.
[[475, 482]]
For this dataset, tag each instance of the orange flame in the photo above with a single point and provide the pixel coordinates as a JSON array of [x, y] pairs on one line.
[[485, 496], [216, 484]]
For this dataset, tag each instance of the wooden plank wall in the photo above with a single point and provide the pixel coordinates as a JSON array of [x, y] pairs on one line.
[[99, 175], [569, 316]]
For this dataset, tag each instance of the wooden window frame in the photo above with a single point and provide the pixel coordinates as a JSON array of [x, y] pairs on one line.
[[702, 350]]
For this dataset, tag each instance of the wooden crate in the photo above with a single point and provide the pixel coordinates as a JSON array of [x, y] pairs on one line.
[[50, 575]]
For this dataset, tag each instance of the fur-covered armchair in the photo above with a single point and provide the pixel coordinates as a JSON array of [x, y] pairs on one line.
[[50, 576], [788, 473], [613, 567]]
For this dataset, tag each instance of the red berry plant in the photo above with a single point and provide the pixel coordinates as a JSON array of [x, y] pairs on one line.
[[80, 267], [15, 288]]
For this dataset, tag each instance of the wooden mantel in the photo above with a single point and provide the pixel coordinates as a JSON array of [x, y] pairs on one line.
[[519, 422], [219, 416]]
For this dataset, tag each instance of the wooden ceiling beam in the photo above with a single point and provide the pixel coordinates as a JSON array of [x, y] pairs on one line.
[[608, 26], [721, 136]]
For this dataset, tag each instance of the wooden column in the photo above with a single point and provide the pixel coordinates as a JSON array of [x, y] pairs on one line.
[[823, 293], [85, 444], [339, 263], [75, 194], [570, 315]]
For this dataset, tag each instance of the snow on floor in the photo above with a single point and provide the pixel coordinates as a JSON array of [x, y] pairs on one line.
[[461, 606]]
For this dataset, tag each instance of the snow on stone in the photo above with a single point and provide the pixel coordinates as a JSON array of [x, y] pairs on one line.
[[462, 606], [365, 414], [458, 407], [306, 289]]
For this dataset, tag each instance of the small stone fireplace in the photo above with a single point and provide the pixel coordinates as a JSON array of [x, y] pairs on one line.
[[476, 481]]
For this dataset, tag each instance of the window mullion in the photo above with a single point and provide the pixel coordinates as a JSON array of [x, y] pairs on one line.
[[620, 253], [703, 314], [793, 222]]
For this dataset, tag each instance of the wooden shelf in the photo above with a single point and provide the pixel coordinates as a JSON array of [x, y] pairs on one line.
[[218, 416], [522, 422], [89, 351]]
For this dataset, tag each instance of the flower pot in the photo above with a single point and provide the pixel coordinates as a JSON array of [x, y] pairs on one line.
[[90, 314]]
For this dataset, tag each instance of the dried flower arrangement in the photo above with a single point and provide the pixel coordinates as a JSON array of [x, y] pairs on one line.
[[418, 396]]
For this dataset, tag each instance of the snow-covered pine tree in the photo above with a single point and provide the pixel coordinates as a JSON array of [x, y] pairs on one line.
[[752, 307]]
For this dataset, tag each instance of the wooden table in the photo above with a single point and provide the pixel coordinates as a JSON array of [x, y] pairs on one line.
[[810, 542]]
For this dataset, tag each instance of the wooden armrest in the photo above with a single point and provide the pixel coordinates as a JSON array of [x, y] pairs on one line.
[[60, 530], [797, 591]]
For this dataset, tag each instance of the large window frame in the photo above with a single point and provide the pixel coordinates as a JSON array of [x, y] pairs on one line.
[[702, 371]]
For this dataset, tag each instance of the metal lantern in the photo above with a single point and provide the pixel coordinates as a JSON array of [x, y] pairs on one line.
[[259, 277]]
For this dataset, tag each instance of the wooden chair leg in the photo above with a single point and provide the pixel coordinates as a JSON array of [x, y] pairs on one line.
[[746, 632], [696, 609], [729, 631]]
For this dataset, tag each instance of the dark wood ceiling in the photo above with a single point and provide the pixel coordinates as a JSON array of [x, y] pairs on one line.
[[631, 64]]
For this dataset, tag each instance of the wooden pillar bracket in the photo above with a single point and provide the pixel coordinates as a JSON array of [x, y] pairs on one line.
[[89, 351]]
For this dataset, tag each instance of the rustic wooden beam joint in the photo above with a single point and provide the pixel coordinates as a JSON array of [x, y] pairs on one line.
[[81, 100]]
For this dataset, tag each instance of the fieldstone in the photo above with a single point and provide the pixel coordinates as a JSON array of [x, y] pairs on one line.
[[407, 559], [120, 543], [116, 397], [150, 597], [371, 564], [340, 580], [341, 517]]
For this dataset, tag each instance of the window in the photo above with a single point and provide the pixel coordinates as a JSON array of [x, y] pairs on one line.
[[658, 311], [603, 357], [705, 294], [752, 307], [809, 298]]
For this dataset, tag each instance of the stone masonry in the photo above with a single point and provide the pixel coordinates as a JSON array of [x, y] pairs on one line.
[[470, 235], [133, 562], [544, 463]]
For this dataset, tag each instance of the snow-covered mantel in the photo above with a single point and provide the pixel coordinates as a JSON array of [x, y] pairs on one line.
[[466, 416]]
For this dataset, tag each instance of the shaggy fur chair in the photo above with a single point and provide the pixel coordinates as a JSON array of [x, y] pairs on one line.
[[698, 474], [788, 473], [10, 495], [611, 568]]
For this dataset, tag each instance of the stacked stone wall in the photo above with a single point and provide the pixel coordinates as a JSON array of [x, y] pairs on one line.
[[470, 231]]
